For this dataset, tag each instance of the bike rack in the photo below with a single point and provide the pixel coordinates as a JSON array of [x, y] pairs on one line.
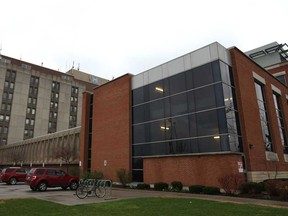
[[105, 183]]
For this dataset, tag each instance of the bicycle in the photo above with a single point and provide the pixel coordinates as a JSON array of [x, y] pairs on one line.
[[90, 186]]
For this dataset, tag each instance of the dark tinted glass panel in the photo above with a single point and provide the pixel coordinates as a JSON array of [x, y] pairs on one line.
[[179, 127], [209, 144], [192, 125], [205, 98], [177, 83], [156, 109], [157, 130], [191, 101], [219, 94], [138, 95], [207, 123], [202, 75], [138, 114], [222, 123], [156, 90], [216, 71], [167, 108], [224, 142], [137, 163], [137, 175], [139, 133], [178, 104], [181, 147], [189, 79]]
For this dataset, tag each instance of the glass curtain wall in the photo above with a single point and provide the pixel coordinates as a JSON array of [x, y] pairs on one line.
[[190, 112]]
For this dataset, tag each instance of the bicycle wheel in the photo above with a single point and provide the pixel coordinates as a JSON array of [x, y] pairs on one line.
[[100, 191], [82, 191]]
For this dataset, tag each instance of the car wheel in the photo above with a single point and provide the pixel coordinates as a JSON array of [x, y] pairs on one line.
[[42, 186], [13, 181], [73, 185], [33, 188]]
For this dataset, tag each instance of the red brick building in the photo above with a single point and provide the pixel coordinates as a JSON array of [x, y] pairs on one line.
[[209, 113]]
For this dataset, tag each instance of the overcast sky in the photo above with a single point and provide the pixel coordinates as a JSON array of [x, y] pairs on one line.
[[109, 38]]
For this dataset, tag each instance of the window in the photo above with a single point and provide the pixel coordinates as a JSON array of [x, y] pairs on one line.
[[263, 117], [34, 80], [74, 90], [6, 107], [4, 117], [7, 95], [282, 79], [55, 86], [282, 130], [10, 74]]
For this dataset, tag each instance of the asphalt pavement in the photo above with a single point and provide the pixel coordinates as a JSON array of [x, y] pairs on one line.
[[68, 197]]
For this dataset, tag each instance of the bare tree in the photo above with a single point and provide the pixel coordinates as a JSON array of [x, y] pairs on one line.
[[66, 154], [15, 156]]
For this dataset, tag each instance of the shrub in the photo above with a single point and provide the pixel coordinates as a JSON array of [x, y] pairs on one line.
[[143, 186], [123, 176], [282, 190], [271, 186], [96, 175], [92, 175], [177, 186], [85, 175], [231, 183], [196, 189], [160, 186], [252, 188], [211, 190]]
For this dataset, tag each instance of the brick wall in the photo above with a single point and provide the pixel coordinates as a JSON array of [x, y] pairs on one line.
[[84, 132], [243, 69], [111, 129], [190, 170]]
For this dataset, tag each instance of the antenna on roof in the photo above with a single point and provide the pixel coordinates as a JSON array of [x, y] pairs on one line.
[[78, 67], [73, 65]]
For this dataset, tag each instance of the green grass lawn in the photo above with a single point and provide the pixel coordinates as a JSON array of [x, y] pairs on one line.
[[136, 207]]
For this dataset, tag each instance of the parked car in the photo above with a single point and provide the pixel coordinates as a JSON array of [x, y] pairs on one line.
[[42, 178], [12, 175]]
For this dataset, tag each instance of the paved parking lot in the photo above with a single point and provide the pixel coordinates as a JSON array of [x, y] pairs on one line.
[[68, 197]]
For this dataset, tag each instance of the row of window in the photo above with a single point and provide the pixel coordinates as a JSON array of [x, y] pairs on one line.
[[211, 122], [216, 71], [4, 117], [264, 119], [209, 97]]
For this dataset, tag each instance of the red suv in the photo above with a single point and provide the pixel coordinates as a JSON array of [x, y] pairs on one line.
[[12, 175], [41, 178]]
